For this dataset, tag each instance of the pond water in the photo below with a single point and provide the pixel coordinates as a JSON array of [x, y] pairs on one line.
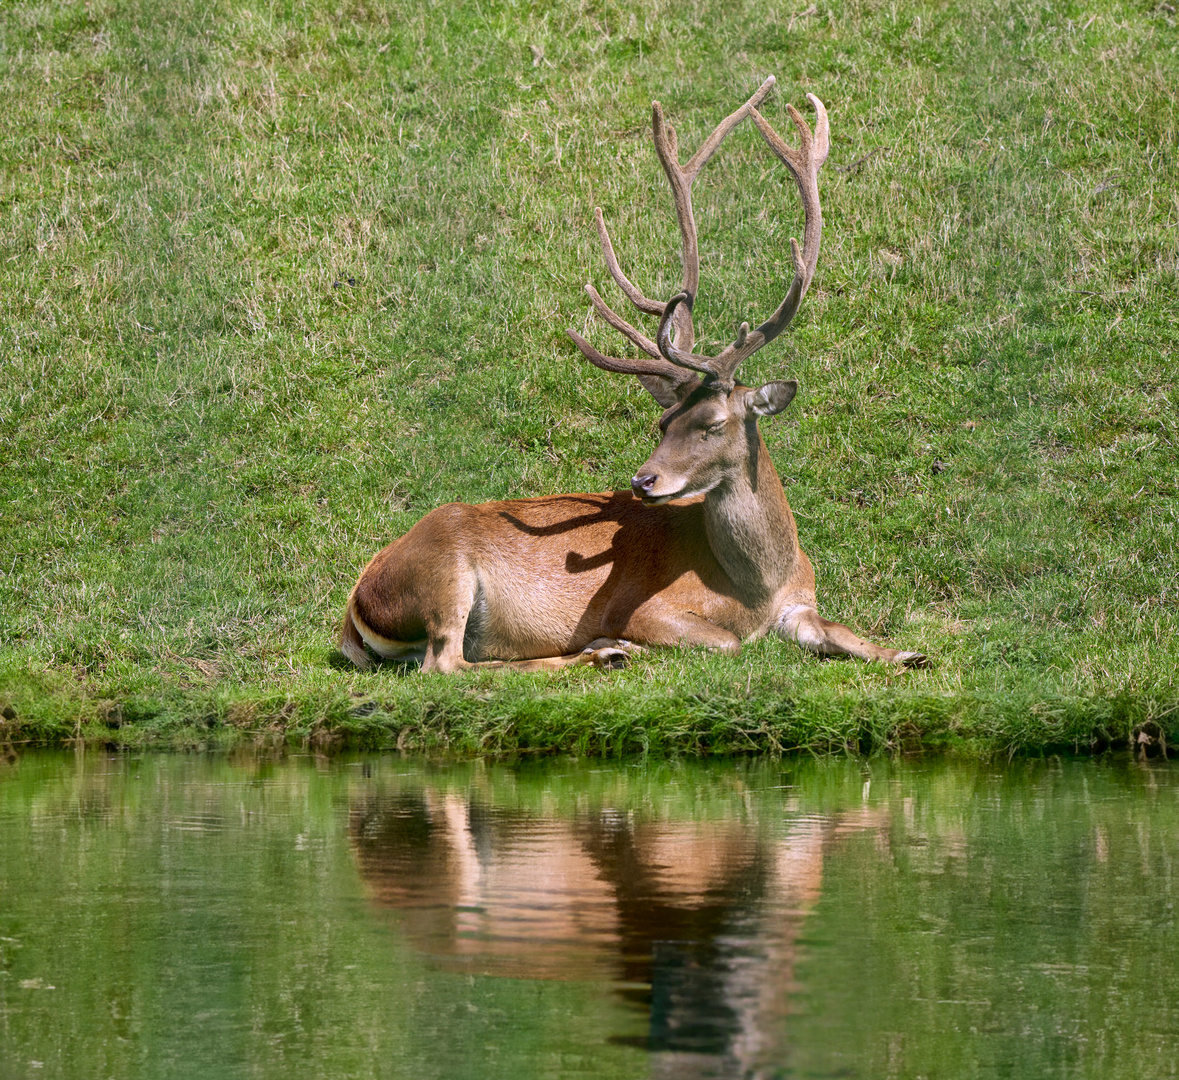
[[221, 916]]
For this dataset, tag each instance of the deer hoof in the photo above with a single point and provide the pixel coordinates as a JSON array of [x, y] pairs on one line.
[[912, 660], [605, 653]]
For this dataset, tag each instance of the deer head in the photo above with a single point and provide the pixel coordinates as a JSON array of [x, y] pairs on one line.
[[710, 421], [709, 437]]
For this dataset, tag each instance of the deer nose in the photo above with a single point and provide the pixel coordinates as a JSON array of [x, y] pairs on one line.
[[642, 485]]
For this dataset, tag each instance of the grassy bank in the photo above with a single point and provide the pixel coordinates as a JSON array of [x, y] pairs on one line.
[[276, 279]]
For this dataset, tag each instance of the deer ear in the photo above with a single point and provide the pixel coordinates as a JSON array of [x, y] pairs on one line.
[[667, 392], [771, 399]]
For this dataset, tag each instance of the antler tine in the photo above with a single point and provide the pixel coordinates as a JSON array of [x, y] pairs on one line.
[[709, 146], [804, 163], [682, 357], [640, 366], [680, 178], [621, 325], [681, 193], [670, 355], [651, 307]]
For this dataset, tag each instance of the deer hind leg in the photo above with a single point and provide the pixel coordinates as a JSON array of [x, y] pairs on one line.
[[445, 622], [442, 650], [602, 653], [825, 638], [458, 625], [395, 624], [453, 638]]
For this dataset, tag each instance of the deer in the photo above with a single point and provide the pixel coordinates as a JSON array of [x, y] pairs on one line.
[[701, 551]]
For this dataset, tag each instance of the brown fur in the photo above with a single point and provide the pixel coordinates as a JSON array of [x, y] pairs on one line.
[[535, 582], [538, 579]]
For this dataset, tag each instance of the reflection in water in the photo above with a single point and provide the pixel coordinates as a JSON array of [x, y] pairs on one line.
[[197, 916], [694, 922]]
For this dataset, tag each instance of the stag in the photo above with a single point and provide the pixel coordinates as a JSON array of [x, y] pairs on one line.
[[702, 550]]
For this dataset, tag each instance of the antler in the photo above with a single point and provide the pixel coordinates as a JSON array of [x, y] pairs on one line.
[[657, 362], [804, 163]]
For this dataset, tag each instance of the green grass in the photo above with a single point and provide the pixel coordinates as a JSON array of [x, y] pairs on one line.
[[276, 279]]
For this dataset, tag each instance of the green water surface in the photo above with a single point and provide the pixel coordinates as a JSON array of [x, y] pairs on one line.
[[293, 916]]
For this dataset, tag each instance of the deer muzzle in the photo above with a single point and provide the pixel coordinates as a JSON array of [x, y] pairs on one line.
[[642, 484]]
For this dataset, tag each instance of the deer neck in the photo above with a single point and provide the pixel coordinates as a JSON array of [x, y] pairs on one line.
[[751, 529]]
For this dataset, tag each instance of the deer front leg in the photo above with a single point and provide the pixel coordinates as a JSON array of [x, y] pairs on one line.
[[825, 638], [672, 626]]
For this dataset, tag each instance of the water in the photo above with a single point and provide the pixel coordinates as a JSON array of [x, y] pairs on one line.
[[191, 916]]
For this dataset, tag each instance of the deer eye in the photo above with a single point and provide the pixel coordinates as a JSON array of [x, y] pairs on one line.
[[714, 429]]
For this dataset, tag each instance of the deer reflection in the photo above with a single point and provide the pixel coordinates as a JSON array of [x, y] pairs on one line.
[[695, 922]]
